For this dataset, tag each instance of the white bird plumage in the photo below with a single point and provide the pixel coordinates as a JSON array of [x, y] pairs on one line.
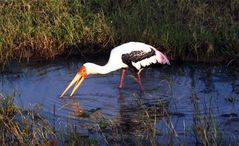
[[132, 54], [115, 61]]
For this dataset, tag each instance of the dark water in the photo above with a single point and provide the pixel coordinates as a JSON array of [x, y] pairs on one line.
[[177, 100]]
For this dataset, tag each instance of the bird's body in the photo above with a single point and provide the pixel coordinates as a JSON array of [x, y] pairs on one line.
[[135, 55], [132, 54]]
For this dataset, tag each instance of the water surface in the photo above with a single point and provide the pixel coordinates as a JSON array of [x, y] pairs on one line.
[[177, 98]]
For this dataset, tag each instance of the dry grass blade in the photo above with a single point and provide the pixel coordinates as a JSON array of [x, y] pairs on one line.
[[21, 127]]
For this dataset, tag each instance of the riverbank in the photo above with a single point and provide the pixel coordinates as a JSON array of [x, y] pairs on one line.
[[202, 30]]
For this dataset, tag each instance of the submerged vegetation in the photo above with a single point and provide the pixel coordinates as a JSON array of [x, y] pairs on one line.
[[202, 30]]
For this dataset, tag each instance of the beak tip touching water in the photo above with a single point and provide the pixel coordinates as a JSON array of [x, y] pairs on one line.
[[78, 79]]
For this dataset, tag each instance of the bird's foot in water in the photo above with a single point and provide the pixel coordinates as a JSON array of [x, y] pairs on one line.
[[141, 86], [138, 81]]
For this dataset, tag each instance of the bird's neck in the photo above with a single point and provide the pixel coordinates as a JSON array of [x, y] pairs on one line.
[[98, 69]]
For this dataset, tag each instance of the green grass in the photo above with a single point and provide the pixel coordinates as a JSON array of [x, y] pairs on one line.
[[47, 29], [200, 30]]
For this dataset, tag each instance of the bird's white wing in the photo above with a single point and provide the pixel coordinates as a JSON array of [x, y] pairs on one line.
[[140, 58], [137, 55]]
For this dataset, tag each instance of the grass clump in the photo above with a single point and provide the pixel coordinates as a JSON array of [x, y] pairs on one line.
[[184, 29], [47, 29], [204, 127], [20, 127]]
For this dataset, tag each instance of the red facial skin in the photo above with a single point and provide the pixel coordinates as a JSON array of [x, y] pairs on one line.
[[82, 71]]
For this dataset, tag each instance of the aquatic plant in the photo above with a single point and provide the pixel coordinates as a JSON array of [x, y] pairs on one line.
[[22, 127], [204, 127], [28, 127]]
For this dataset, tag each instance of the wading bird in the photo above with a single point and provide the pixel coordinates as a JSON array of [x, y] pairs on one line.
[[133, 55]]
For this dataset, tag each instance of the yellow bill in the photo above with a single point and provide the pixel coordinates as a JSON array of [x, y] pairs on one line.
[[77, 80]]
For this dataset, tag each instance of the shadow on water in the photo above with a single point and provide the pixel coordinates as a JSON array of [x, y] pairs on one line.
[[182, 104]]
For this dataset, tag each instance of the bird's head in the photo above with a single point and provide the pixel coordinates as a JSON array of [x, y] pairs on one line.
[[77, 80]]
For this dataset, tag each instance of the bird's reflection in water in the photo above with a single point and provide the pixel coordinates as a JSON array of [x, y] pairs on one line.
[[73, 105], [137, 114], [76, 111]]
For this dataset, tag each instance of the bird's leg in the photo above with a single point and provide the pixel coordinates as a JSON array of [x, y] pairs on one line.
[[122, 78], [139, 79]]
